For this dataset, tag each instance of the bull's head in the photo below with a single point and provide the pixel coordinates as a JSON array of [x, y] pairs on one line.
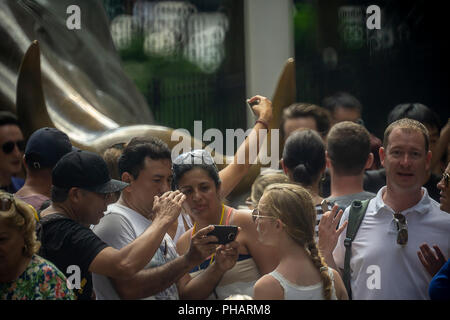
[[82, 89]]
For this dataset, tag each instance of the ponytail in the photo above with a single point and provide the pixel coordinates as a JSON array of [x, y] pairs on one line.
[[301, 175], [321, 266]]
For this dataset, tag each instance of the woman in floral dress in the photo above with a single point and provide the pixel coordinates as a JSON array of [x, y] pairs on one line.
[[23, 274]]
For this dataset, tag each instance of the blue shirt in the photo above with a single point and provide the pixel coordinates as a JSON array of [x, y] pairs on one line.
[[440, 284]]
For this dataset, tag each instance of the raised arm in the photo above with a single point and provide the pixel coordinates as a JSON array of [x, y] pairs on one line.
[[329, 234], [148, 282], [124, 263], [233, 173]]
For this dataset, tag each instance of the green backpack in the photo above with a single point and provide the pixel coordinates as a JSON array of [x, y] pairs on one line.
[[355, 217]]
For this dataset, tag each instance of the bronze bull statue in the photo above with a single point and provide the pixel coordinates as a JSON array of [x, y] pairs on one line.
[[77, 84]]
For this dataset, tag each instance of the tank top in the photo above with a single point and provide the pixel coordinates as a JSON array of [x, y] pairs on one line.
[[238, 280], [293, 291]]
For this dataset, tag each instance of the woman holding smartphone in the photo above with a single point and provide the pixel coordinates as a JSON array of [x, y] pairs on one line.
[[196, 175]]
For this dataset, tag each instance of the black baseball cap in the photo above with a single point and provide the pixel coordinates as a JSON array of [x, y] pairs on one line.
[[46, 146], [85, 170]]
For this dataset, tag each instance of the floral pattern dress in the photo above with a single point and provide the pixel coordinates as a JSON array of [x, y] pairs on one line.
[[41, 280]]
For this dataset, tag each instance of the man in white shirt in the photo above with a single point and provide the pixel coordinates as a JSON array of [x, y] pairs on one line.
[[146, 165], [383, 265]]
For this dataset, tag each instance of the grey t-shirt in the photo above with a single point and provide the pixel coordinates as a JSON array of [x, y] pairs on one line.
[[120, 226], [345, 201]]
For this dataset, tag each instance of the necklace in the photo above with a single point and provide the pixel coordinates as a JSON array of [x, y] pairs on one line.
[[220, 223]]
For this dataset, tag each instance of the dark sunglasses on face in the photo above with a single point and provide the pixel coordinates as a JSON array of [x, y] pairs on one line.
[[8, 146], [402, 229]]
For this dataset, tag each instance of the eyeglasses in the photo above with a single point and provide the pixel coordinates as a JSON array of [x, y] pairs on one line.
[[6, 201], [402, 229], [256, 215], [446, 179], [8, 146]]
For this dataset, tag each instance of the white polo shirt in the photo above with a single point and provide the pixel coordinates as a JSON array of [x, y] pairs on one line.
[[382, 269]]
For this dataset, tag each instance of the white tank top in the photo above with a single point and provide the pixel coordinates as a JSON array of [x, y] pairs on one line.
[[293, 291], [180, 228]]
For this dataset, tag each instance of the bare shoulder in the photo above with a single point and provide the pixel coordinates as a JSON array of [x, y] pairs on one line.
[[241, 218], [268, 288], [341, 291], [183, 242]]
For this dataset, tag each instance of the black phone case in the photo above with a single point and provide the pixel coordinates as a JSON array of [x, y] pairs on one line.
[[225, 234]]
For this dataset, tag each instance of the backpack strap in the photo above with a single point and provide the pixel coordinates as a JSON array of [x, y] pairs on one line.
[[356, 215]]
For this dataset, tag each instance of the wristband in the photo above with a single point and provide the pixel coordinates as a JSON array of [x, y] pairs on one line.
[[265, 124]]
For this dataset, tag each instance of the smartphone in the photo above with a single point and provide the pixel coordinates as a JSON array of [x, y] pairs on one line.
[[325, 205], [225, 234], [251, 104]]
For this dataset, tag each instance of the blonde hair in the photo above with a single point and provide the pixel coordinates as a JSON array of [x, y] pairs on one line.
[[21, 216], [262, 182], [111, 157], [293, 205]]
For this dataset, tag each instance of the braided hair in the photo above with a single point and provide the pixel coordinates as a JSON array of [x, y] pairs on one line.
[[293, 205]]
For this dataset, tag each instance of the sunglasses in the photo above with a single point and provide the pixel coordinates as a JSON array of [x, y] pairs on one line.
[[189, 158], [446, 179], [402, 229], [8, 146], [6, 201], [256, 215]]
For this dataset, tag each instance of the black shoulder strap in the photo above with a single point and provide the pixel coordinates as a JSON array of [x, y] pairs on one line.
[[355, 217]]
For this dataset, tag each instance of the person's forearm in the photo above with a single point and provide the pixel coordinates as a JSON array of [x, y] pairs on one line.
[[329, 260], [138, 253], [232, 174], [200, 287], [148, 282]]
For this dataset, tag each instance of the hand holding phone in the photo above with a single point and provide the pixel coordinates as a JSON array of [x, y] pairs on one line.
[[225, 234], [325, 205], [251, 104]]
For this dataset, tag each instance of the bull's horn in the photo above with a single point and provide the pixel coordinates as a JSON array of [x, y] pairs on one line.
[[30, 102]]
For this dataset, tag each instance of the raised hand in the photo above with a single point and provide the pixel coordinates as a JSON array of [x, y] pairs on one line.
[[431, 261], [263, 109], [168, 206], [201, 246], [328, 235], [227, 255]]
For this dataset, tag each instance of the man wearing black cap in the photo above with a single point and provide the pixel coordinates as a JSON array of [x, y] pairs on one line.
[[43, 150], [80, 194]]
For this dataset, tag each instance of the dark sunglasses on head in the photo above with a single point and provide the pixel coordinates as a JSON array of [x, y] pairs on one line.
[[402, 229], [6, 201], [8, 146]]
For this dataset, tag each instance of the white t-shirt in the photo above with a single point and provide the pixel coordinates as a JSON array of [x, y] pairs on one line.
[[119, 227], [383, 269]]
